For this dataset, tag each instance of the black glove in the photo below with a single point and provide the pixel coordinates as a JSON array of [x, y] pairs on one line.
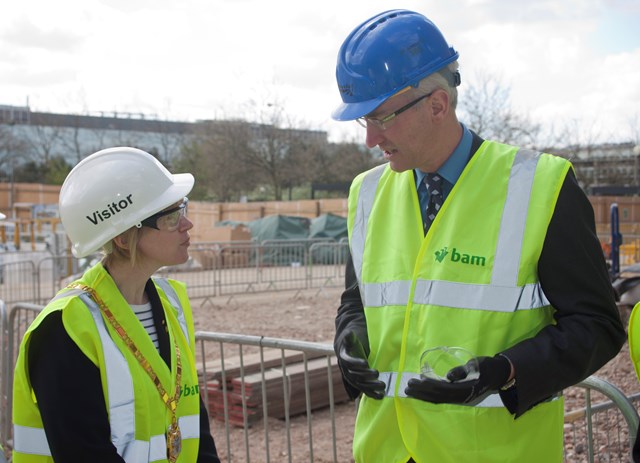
[[355, 368], [494, 373]]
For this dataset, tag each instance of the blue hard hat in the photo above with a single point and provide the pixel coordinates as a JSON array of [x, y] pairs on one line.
[[385, 54]]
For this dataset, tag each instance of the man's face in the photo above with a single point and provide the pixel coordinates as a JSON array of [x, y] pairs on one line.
[[408, 141]]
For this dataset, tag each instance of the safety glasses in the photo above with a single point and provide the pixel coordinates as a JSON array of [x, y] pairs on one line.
[[387, 121], [169, 219]]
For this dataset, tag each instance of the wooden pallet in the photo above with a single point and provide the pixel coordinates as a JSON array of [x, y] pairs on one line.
[[271, 358], [284, 391]]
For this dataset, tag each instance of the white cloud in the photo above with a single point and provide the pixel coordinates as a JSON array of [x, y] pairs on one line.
[[198, 59]]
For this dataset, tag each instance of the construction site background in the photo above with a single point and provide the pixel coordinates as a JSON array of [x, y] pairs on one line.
[[32, 209]]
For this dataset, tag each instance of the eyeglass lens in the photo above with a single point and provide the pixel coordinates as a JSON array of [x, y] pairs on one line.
[[171, 221]]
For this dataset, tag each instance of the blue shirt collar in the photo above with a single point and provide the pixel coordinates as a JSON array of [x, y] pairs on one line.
[[453, 167]]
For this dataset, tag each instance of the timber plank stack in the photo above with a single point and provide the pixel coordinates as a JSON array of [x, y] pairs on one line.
[[284, 386]]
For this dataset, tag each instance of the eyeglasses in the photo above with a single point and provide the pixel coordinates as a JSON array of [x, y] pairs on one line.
[[385, 122], [168, 220]]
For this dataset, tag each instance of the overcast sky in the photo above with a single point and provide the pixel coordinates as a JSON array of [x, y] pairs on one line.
[[563, 60]]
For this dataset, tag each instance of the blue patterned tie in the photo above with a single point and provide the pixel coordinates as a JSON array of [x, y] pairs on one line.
[[433, 182]]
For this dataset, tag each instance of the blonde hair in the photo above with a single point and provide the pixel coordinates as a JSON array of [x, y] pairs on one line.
[[111, 251], [439, 80]]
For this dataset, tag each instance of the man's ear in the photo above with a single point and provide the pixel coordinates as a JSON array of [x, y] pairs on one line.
[[439, 104]]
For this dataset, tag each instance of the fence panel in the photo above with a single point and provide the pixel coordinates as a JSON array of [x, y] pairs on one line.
[[600, 423], [55, 272], [18, 281], [20, 318], [238, 269], [283, 264], [327, 263], [279, 393]]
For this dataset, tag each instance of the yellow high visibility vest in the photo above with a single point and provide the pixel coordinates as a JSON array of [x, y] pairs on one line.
[[137, 416], [634, 338], [470, 282]]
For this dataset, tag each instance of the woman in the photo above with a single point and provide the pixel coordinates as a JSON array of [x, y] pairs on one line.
[[106, 373]]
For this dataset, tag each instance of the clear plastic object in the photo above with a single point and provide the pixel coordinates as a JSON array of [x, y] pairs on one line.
[[436, 363]]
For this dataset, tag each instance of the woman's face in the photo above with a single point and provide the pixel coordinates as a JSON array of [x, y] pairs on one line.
[[169, 244]]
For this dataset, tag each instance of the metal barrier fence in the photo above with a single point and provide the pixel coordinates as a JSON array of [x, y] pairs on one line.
[[279, 400], [276, 398], [600, 423], [214, 269]]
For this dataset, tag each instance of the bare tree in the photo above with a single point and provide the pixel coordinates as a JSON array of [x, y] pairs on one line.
[[280, 148], [71, 141], [215, 157], [169, 144], [11, 147], [341, 162], [43, 142], [487, 110]]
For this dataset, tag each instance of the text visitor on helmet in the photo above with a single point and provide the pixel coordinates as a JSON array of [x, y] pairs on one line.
[[108, 367], [459, 245]]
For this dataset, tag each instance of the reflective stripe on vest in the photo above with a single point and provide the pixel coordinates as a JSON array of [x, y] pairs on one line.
[[502, 294], [120, 392], [34, 441], [456, 295], [175, 302], [359, 234]]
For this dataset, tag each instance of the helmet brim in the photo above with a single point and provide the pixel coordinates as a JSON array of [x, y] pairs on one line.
[[352, 111]]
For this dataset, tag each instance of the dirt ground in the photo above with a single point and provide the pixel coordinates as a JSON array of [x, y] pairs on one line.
[[309, 316]]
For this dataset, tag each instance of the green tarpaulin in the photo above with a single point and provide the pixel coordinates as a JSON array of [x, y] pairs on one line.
[[328, 226]]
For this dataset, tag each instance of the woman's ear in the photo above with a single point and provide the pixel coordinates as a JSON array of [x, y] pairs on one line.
[[121, 241]]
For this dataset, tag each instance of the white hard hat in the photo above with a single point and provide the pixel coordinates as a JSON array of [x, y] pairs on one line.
[[113, 190], [2, 216]]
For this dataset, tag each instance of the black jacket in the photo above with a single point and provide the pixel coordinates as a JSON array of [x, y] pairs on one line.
[[574, 277]]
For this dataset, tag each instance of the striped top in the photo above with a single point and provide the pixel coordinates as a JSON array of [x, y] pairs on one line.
[[145, 315]]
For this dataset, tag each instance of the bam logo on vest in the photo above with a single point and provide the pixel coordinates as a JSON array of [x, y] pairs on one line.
[[457, 257], [111, 210]]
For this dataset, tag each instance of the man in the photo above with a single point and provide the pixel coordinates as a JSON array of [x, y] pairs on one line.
[[501, 259]]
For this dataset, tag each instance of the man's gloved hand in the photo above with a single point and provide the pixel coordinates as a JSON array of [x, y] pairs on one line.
[[494, 373], [355, 368]]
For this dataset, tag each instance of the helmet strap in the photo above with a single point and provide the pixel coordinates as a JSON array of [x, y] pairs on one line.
[[453, 78]]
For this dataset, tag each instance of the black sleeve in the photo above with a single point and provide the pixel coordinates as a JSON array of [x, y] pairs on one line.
[[588, 331], [207, 452], [350, 317], [69, 392]]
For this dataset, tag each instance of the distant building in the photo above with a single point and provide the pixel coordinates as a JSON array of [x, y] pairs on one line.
[[37, 135], [609, 169], [604, 169]]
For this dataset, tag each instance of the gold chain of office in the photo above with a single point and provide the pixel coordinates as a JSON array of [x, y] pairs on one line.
[[174, 438]]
